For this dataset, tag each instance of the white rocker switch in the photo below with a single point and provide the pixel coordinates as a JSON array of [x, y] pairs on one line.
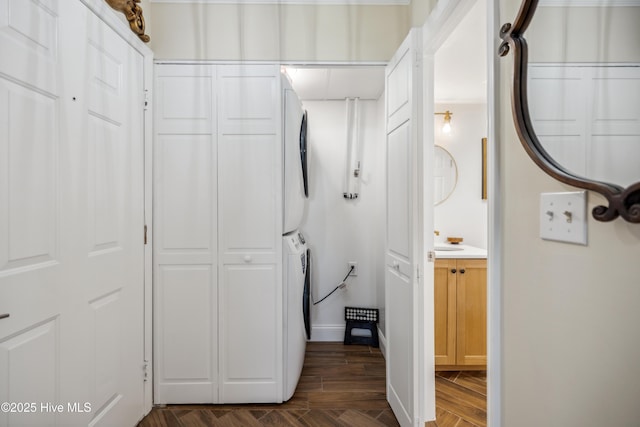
[[563, 217]]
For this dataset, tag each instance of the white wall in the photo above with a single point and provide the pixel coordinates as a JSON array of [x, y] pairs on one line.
[[585, 34], [275, 32], [340, 230], [464, 213], [420, 10], [570, 341]]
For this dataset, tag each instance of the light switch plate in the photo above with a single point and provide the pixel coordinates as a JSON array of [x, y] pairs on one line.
[[563, 217]]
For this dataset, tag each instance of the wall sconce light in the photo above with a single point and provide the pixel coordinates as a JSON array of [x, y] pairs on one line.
[[446, 127]]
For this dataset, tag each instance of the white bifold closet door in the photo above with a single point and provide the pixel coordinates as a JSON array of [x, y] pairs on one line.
[[217, 227], [71, 218]]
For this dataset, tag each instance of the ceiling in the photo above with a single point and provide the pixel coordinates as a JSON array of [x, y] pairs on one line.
[[461, 61], [460, 69], [322, 84]]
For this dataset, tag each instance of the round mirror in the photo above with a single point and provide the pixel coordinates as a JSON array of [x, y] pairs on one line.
[[445, 174]]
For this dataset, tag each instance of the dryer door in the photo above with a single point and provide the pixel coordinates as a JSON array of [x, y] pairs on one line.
[[294, 188], [303, 153], [306, 296]]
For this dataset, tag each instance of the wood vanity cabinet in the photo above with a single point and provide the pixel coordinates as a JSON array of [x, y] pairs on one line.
[[460, 295]]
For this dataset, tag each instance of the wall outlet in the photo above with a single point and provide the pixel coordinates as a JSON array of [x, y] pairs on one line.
[[354, 264]]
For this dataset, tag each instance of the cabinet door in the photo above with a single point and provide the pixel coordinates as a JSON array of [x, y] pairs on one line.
[[472, 312], [445, 311]]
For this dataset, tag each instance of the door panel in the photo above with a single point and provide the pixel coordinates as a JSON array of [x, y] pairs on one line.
[[185, 345], [399, 191], [400, 344], [402, 287], [399, 87], [27, 191], [185, 231], [27, 355], [185, 190], [248, 208], [250, 224], [184, 103], [29, 35], [250, 319], [247, 97]]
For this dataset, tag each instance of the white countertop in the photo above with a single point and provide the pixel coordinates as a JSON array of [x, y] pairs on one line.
[[459, 251]]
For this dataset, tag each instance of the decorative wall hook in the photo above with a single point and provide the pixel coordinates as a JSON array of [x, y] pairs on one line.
[[133, 13]]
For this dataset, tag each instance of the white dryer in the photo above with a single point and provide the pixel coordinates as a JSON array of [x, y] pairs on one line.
[[297, 326], [296, 186]]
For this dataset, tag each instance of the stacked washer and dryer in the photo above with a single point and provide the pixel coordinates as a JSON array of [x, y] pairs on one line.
[[296, 271]]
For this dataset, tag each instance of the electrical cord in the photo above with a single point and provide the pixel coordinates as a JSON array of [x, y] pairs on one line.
[[342, 285]]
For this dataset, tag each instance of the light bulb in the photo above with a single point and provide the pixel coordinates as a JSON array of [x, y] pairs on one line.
[[446, 128]]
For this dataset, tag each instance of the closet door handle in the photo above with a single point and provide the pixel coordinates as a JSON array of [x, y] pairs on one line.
[[462, 271], [453, 270], [4, 316], [247, 258]]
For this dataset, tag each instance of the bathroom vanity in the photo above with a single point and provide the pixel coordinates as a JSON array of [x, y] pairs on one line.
[[460, 295]]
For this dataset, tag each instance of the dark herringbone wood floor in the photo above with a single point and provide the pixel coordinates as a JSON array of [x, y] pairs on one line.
[[342, 386]]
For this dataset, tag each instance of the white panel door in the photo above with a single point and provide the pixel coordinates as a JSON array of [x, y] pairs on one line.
[[403, 225], [71, 217], [250, 224], [34, 256], [185, 231], [112, 191]]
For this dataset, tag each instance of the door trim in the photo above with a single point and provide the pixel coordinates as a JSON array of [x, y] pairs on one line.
[[439, 25], [494, 236], [148, 220]]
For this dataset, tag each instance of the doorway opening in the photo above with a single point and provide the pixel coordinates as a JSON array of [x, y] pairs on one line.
[[460, 130]]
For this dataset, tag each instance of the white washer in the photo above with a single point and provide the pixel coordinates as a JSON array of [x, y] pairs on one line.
[[296, 312], [296, 188]]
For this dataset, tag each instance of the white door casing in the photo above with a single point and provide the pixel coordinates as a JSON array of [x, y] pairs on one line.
[[403, 290], [71, 191]]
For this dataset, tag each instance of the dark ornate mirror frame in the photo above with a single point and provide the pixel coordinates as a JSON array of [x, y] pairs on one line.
[[624, 202]]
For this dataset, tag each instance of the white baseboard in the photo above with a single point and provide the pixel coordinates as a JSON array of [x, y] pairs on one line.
[[331, 333], [383, 343], [335, 333]]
